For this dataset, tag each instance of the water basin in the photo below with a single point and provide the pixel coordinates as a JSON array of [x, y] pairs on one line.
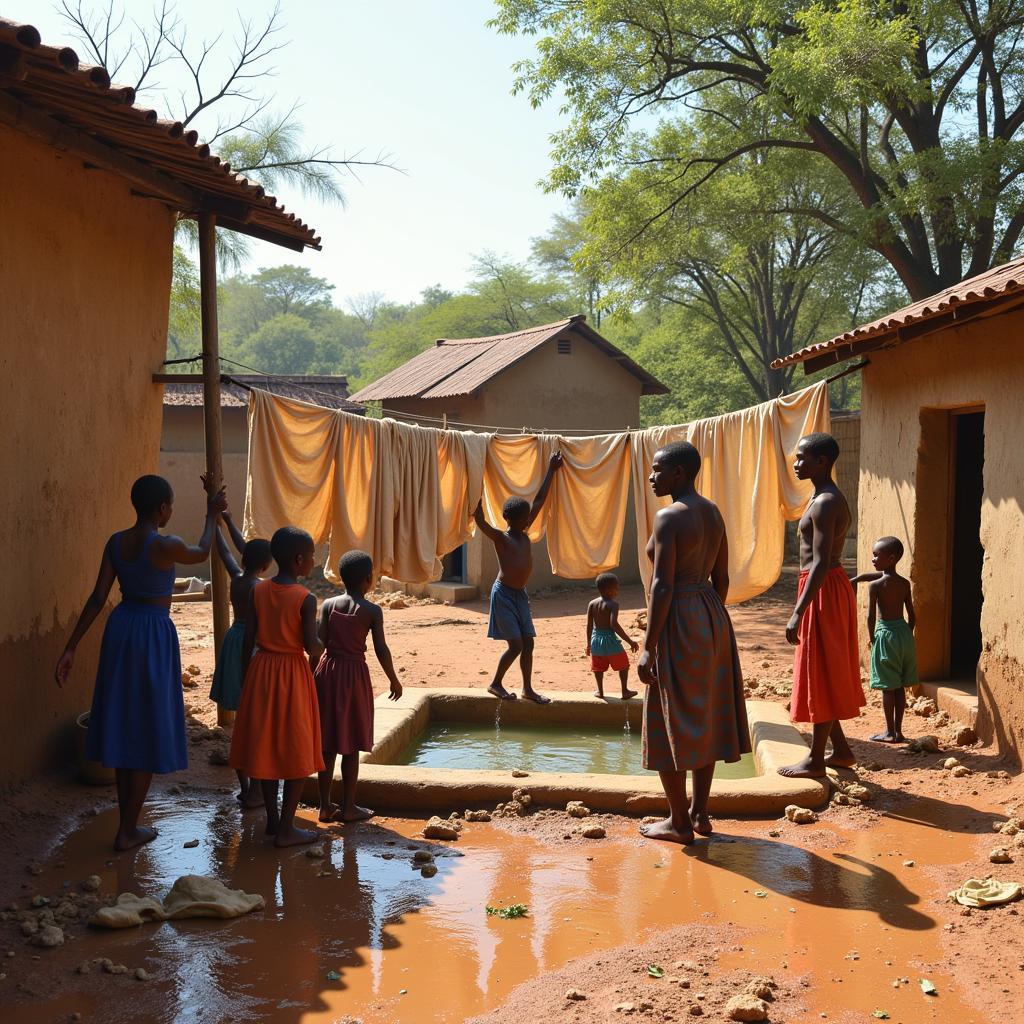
[[603, 750]]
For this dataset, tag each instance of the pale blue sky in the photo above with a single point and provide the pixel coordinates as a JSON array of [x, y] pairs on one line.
[[426, 81]]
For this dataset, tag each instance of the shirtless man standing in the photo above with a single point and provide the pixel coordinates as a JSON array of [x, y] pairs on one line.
[[510, 606], [823, 626]]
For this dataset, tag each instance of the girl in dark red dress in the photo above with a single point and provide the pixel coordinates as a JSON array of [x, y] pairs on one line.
[[343, 686]]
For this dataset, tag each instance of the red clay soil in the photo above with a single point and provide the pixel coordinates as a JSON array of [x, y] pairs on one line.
[[921, 832]]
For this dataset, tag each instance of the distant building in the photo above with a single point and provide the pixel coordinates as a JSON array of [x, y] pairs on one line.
[[942, 468], [182, 437], [560, 377]]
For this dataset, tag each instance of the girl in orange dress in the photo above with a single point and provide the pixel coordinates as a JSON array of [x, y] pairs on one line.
[[277, 731], [343, 687]]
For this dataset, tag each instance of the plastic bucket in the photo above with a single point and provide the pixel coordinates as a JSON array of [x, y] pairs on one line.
[[91, 772]]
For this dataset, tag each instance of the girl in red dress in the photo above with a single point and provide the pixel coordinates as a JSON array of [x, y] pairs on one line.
[[343, 687]]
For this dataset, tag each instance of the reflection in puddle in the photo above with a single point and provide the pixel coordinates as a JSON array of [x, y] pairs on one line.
[[366, 913]]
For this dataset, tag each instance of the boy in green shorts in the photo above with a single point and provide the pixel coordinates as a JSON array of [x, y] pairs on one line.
[[893, 654]]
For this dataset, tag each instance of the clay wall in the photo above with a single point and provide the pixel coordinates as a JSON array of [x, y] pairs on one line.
[[909, 393], [85, 267]]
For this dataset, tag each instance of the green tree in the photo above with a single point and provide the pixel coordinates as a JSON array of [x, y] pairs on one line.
[[286, 343], [560, 252], [916, 106]]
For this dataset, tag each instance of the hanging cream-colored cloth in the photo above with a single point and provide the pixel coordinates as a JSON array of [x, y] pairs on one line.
[[747, 472]]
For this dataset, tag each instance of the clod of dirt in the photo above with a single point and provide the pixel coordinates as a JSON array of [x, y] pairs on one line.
[[964, 736], [522, 796], [439, 828], [625, 1008], [761, 988], [925, 707], [314, 852], [577, 809], [1000, 855], [696, 1010], [997, 775], [141, 974], [575, 995], [1010, 827], [856, 791], [84, 967], [925, 745], [218, 755], [48, 936], [950, 763], [960, 771], [746, 1007], [594, 832], [190, 845], [90, 884], [112, 968], [801, 816], [518, 773], [478, 815]]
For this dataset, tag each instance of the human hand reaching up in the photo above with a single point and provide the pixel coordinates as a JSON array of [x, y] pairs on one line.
[[556, 461]]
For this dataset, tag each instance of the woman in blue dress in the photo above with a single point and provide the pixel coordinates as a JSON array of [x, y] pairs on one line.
[[137, 722]]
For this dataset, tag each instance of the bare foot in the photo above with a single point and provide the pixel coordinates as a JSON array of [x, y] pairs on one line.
[[536, 697], [499, 691], [804, 769], [599, 694], [835, 761], [667, 830], [626, 694], [332, 812], [252, 801], [296, 837], [128, 840], [884, 737], [701, 824], [272, 825], [357, 813]]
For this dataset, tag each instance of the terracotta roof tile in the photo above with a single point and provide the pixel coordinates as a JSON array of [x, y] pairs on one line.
[[51, 82], [1001, 281], [331, 392]]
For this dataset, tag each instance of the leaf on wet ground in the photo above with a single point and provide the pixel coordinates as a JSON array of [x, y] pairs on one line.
[[928, 988], [655, 971], [512, 910], [880, 1014]]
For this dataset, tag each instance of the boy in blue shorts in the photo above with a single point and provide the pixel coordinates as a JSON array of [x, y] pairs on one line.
[[510, 619], [893, 653], [603, 631]]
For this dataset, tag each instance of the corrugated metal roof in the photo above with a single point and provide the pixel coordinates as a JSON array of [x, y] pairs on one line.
[[49, 82], [460, 366], [1000, 282], [331, 392]]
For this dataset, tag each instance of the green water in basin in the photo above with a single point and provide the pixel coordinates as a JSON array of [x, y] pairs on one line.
[[478, 746]]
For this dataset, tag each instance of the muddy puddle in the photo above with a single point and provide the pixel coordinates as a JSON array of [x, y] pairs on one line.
[[847, 916]]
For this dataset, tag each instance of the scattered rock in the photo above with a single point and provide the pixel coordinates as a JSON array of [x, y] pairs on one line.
[[439, 828], [522, 796], [112, 968], [964, 736], [1010, 827], [428, 870], [925, 745], [422, 857], [90, 884], [575, 995], [960, 771], [908, 863], [397, 604], [1000, 855], [191, 844], [48, 936], [219, 755], [84, 967], [518, 773], [801, 816], [141, 974], [625, 1008], [855, 791], [925, 707], [577, 809], [761, 988], [594, 832], [997, 775], [696, 1010], [746, 1007], [478, 815]]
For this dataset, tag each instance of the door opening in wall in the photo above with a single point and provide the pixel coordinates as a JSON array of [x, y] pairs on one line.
[[453, 566], [967, 460]]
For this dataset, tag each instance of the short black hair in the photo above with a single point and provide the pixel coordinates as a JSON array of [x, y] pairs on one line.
[[149, 492], [514, 507], [606, 580], [891, 544], [353, 568], [287, 544], [821, 446], [683, 454], [256, 554]]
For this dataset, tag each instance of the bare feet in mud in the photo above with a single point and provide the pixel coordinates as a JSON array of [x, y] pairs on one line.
[[667, 831], [296, 837], [330, 814], [702, 824], [131, 838]]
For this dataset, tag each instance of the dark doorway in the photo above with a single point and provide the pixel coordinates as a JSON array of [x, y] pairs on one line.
[[453, 566], [968, 441]]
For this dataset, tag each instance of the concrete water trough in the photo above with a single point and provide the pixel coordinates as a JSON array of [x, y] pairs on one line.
[[389, 786]]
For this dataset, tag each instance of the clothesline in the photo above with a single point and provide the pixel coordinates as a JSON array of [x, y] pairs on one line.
[[406, 493]]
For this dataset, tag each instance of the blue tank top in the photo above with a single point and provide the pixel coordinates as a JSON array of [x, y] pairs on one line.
[[140, 579]]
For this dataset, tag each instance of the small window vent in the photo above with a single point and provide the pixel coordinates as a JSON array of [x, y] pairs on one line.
[[565, 346]]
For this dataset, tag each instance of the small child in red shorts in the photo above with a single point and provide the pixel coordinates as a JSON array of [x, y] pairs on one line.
[[603, 645]]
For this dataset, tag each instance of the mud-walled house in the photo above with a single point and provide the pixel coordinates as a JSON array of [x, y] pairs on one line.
[[559, 377], [942, 468], [91, 187]]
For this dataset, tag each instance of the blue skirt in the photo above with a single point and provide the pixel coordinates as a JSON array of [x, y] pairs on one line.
[[138, 711], [227, 676]]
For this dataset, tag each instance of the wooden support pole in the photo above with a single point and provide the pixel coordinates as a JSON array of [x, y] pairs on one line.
[[212, 420]]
